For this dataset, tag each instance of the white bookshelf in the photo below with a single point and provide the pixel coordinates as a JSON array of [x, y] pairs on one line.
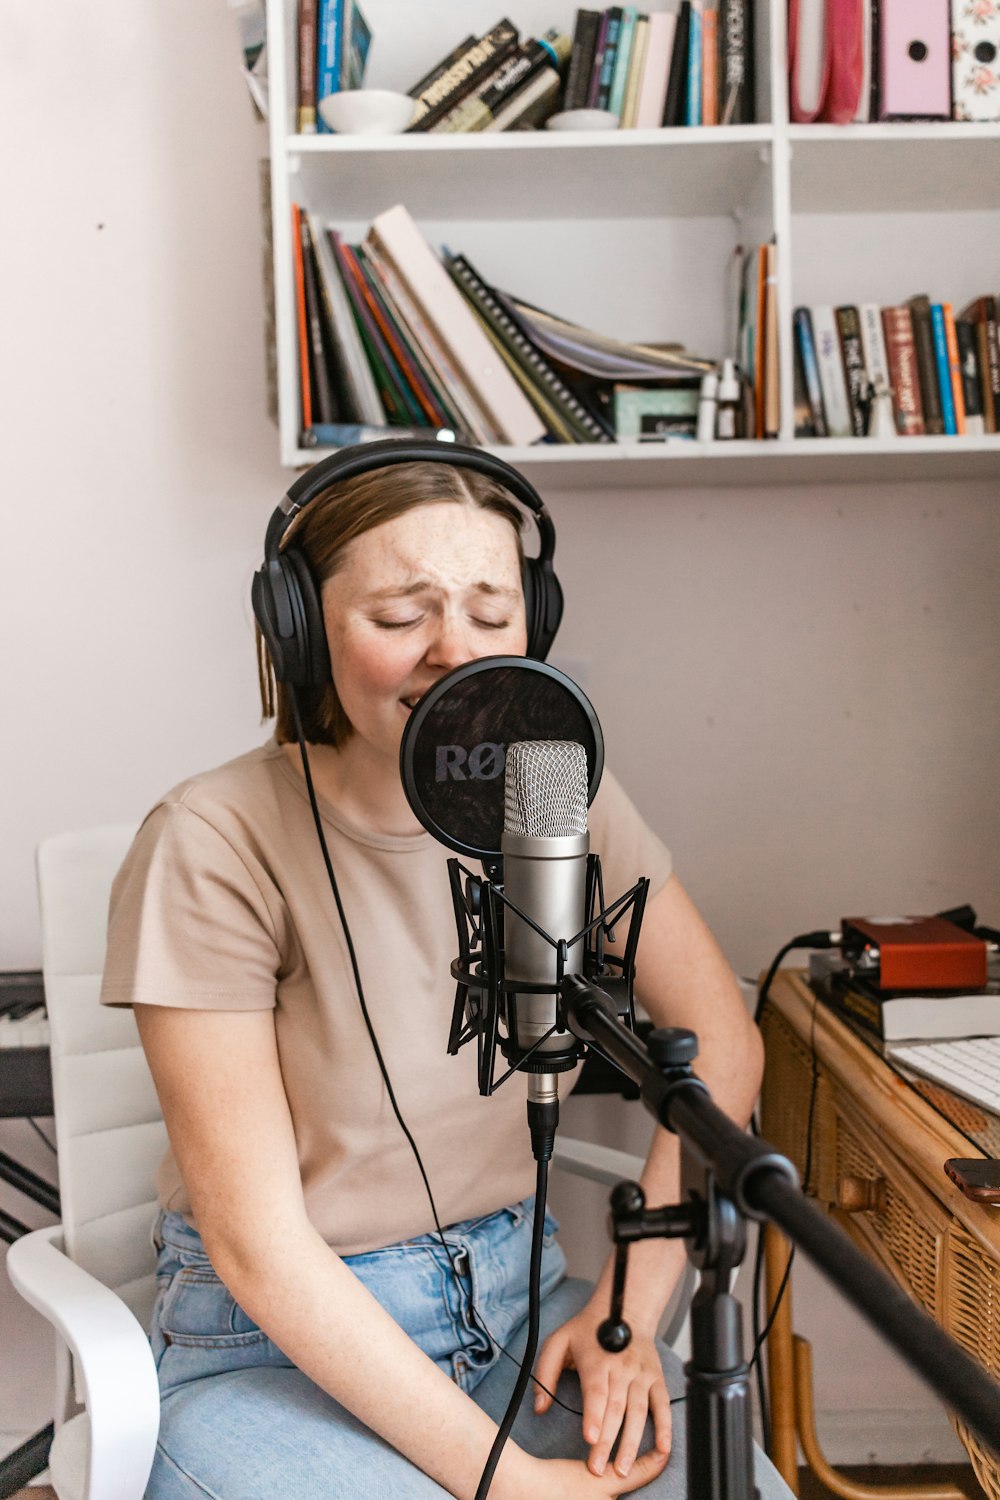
[[634, 233]]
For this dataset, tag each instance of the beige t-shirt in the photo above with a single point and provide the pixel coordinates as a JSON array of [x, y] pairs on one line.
[[223, 903]]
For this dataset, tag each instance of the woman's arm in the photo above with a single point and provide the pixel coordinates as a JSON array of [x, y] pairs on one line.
[[219, 1082], [682, 979]]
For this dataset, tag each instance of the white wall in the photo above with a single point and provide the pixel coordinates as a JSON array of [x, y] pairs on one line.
[[797, 686]]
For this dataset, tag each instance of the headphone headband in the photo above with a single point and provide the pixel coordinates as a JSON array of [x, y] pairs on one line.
[[362, 457]]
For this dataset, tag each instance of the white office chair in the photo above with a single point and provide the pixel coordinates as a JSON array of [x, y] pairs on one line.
[[92, 1276]]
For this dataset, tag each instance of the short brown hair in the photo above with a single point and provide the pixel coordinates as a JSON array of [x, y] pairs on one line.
[[326, 526]]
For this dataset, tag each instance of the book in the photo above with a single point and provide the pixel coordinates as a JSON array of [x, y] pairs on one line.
[[490, 307], [346, 434], [623, 60], [461, 77], [855, 372], [530, 104], [930, 390], [644, 416], [656, 70], [972, 390], [943, 365], [363, 404], [468, 415], [581, 62], [597, 355], [302, 321], [636, 66], [895, 1017], [319, 375], [831, 372], [771, 373], [394, 394], [306, 116], [398, 239], [710, 66], [329, 30], [736, 56], [609, 58], [692, 106], [675, 103], [439, 68], [477, 110], [873, 348], [804, 426], [982, 313], [354, 47], [901, 352], [954, 366], [418, 374], [598, 64], [805, 344]]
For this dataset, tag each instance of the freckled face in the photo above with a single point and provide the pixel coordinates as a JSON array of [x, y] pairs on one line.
[[413, 599]]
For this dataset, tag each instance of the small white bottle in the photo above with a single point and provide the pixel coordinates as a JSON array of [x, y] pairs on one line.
[[727, 421], [707, 393]]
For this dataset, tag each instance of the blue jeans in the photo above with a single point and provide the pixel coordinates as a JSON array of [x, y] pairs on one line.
[[240, 1422]]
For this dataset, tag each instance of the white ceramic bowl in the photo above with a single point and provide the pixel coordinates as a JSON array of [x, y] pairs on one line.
[[367, 111], [583, 119]]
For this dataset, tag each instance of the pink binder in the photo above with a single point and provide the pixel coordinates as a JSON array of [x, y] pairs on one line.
[[915, 60]]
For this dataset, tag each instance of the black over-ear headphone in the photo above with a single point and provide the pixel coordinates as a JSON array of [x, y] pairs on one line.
[[285, 595]]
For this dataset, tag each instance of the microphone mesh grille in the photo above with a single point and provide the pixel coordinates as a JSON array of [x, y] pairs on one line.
[[545, 789]]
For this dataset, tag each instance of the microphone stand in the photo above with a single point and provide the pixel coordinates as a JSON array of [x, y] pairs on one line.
[[729, 1176]]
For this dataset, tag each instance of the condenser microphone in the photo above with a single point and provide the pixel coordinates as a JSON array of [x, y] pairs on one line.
[[544, 845]]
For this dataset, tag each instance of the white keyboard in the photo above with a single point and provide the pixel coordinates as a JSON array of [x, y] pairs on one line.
[[32, 1031], [969, 1068]]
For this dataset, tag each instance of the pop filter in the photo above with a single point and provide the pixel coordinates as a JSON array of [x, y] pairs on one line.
[[455, 744]]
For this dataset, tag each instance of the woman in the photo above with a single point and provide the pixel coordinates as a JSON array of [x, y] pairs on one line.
[[313, 1337]]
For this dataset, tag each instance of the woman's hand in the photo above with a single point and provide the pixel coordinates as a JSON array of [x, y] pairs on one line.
[[619, 1392], [569, 1479]]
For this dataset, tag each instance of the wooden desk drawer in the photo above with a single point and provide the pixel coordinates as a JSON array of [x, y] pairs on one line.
[[908, 1229]]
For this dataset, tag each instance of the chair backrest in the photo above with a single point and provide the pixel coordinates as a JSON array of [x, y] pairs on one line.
[[109, 1131]]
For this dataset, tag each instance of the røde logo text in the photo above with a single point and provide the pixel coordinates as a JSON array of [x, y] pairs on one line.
[[482, 763]]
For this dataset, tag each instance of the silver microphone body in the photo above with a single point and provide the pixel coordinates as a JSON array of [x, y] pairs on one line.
[[545, 876]]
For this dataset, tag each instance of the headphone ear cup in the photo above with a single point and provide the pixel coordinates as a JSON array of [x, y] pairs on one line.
[[543, 606], [287, 608], [312, 655]]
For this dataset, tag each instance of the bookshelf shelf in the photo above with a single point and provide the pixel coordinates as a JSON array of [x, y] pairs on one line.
[[798, 461], [877, 169], [537, 175], [633, 233]]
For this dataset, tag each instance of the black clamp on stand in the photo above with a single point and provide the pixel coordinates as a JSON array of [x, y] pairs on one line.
[[719, 1428]]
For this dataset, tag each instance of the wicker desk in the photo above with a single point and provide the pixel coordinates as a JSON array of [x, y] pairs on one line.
[[878, 1144]]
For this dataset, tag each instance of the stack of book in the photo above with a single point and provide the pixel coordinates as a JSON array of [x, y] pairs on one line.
[[894, 60], [884, 371], [692, 65], [498, 81], [333, 43], [392, 335]]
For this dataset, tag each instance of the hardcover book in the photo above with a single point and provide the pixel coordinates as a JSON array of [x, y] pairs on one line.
[[927, 370], [831, 372], [806, 347], [736, 57], [656, 70], [581, 61], [441, 96], [902, 354], [856, 374], [972, 389]]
